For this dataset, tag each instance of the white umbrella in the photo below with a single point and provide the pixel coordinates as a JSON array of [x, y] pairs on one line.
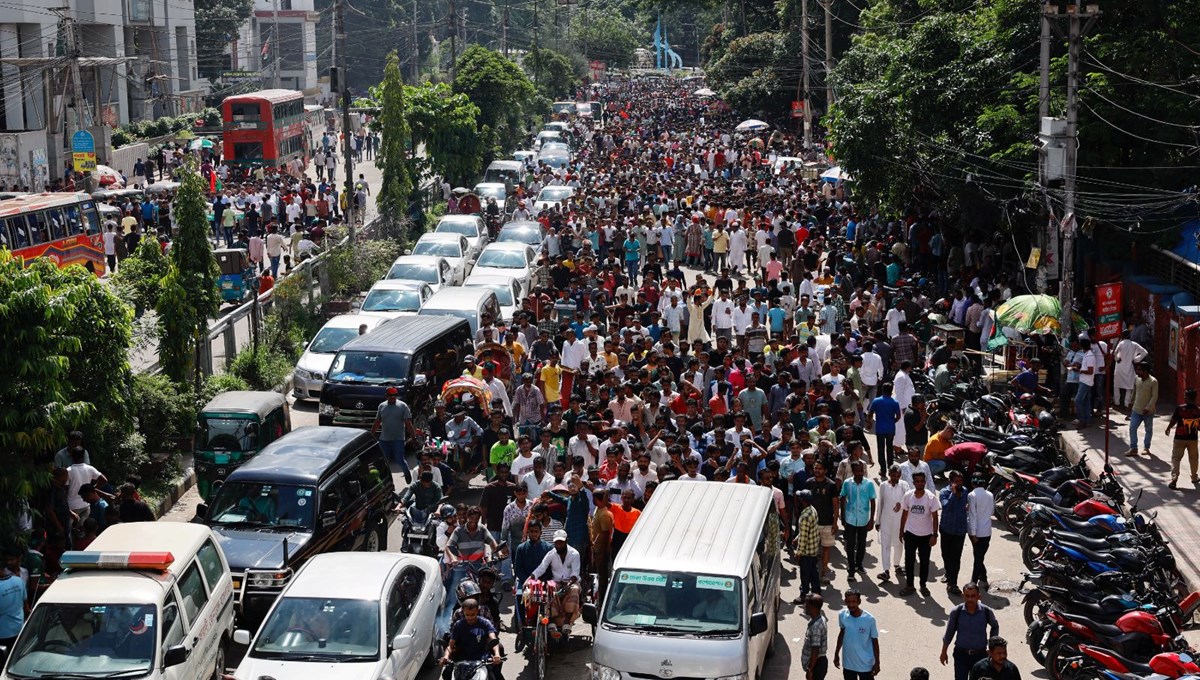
[[751, 125], [836, 174], [704, 92]]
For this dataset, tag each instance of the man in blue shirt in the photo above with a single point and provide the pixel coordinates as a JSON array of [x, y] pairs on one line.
[[858, 636], [886, 412], [12, 599], [527, 557], [858, 516], [472, 638], [953, 528]]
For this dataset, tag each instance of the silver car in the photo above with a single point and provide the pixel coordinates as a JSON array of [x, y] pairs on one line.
[[314, 364]]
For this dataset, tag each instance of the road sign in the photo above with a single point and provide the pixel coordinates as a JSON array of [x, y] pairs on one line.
[[797, 109], [83, 151], [1108, 311]]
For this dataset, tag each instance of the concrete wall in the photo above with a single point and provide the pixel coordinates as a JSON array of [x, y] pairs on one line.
[[22, 156]]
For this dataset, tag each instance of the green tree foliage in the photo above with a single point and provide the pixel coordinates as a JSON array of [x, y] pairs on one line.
[[54, 323], [139, 280], [749, 74], [607, 35], [445, 123], [393, 157], [217, 23], [509, 105], [190, 295], [164, 411], [554, 73]]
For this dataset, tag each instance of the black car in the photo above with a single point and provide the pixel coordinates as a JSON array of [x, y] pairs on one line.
[[315, 490]]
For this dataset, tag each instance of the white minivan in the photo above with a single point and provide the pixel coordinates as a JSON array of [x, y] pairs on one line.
[[695, 589], [145, 600]]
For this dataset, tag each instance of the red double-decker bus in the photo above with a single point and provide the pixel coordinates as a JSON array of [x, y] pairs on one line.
[[63, 227], [266, 128]]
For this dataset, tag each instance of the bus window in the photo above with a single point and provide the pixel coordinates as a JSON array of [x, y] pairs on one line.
[[57, 222], [92, 217], [244, 111], [5, 239], [38, 231], [19, 232], [247, 151], [74, 220]]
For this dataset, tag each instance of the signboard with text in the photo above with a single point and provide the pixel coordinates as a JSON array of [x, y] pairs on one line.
[[797, 109], [83, 151], [1108, 311]]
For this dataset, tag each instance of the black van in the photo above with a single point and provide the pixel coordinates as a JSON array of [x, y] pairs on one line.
[[415, 354], [314, 490]]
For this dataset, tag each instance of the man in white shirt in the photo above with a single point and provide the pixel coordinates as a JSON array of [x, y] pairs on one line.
[[583, 444], [722, 316], [980, 507], [889, 511], [871, 372], [562, 564], [913, 465]]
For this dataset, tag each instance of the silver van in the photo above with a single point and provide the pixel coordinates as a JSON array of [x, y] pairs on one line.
[[695, 588], [465, 303]]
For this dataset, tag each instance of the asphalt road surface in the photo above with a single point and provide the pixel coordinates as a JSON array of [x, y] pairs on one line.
[[910, 628]]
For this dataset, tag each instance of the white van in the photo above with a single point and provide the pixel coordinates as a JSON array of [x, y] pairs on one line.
[[695, 588], [465, 303], [147, 600]]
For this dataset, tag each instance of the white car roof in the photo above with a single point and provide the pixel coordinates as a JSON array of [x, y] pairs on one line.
[[488, 279], [440, 236], [356, 320], [397, 284], [507, 245], [324, 575], [492, 185], [418, 259]]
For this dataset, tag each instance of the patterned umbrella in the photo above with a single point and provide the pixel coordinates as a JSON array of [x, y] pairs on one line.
[[1034, 314]]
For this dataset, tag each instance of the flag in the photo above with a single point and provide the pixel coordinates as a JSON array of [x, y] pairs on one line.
[[265, 48]]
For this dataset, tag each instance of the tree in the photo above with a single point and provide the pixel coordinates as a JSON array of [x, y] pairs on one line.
[[397, 185], [53, 322], [189, 295], [608, 36], [748, 75], [555, 74], [509, 105], [217, 23], [139, 280], [444, 122]]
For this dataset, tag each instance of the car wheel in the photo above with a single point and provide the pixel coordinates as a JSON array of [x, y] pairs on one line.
[[219, 663], [376, 540]]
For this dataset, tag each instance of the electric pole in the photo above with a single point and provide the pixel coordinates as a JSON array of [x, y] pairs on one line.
[[416, 50], [339, 19], [504, 31], [804, 88], [1079, 21], [70, 30], [275, 49], [828, 55], [453, 41]]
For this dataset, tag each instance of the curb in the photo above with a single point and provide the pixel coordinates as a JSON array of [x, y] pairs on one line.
[[182, 486]]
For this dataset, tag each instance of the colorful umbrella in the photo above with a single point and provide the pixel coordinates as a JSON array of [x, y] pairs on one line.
[[1033, 315], [751, 125], [201, 143]]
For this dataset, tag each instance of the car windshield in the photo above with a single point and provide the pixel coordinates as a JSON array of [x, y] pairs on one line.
[[468, 229], [263, 504], [227, 434], [319, 629], [503, 259], [86, 640], [503, 292], [675, 603], [527, 236], [382, 300], [497, 193], [414, 272], [555, 194], [376, 368], [438, 248], [330, 340]]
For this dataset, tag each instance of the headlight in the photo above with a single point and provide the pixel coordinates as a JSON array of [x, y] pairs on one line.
[[302, 374], [318, 376], [327, 409], [273, 580], [605, 673], [739, 676]]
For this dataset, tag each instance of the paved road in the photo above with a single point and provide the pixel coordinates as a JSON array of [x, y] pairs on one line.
[[910, 629]]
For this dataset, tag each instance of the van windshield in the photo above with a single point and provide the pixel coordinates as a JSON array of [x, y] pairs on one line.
[[675, 603], [86, 640], [266, 505], [316, 629], [376, 368]]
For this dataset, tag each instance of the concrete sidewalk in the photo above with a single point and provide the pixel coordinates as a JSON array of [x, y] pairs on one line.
[[1179, 510]]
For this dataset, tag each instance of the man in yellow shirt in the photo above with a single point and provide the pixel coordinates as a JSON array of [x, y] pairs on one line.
[[550, 379], [935, 449]]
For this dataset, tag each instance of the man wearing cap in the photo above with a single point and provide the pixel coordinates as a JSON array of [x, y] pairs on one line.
[[394, 420], [563, 565]]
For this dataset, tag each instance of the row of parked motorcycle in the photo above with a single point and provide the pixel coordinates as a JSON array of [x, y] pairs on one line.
[[1103, 599]]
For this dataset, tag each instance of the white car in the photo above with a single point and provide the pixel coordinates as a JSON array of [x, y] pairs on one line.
[[551, 196], [318, 354], [548, 136], [435, 271], [453, 247], [509, 291], [471, 226], [527, 157], [513, 260], [394, 298], [529, 232], [349, 616]]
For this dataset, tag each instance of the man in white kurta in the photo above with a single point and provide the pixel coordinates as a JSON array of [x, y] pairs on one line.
[[891, 492], [1127, 355]]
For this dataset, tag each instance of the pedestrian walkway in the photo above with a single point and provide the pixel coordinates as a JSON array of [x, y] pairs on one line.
[[1178, 511]]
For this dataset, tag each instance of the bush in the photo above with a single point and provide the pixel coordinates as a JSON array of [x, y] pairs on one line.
[[218, 384], [353, 272], [261, 370], [164, 412], [139, 280]]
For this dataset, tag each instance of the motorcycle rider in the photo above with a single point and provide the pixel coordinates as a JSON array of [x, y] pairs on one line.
[[562, 564], [493, 216], [424, 496], [471, 639], [526, 558]]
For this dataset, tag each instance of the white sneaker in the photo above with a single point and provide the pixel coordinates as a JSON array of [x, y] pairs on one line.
[[566, 631]]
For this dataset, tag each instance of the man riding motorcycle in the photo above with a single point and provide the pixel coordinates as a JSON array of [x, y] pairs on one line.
[[424, 496], [562, 564], [473, 638]]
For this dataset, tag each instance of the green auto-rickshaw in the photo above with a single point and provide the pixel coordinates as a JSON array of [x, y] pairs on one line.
[[231, 429]]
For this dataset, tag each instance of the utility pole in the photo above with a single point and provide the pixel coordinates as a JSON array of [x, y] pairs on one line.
[[453, 41], [1079, 21], [504, 31], [806, 68], [275, 49], [537, 62], [416, 50], [339, 19], [828, 55], [71, 33]]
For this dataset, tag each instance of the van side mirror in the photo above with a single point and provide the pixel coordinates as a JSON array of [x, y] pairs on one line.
[[420, 380], [202, 510], [590, 614], [174, 656], [241, 637], [252, 428], [758, 623]]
